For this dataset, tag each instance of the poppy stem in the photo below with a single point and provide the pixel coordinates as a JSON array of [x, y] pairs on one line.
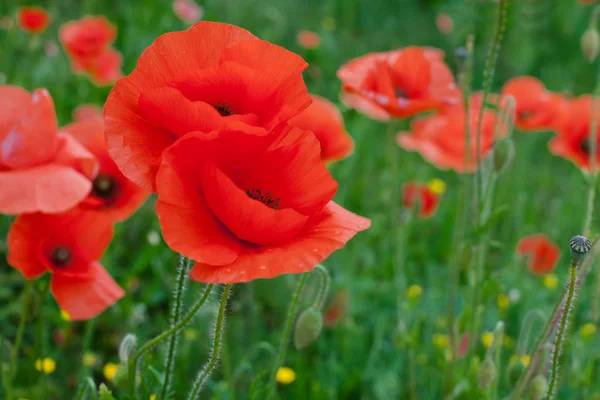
[[176, 311], [133, 361], [19, 338], [325, 282], [563, 329], [216, 349], [287, 330]]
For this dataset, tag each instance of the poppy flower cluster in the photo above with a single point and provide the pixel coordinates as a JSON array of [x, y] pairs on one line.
[[87, 42], [204, 121], [67, 194], [542, 253]]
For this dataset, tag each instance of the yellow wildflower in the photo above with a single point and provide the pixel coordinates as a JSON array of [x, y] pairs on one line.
[[109, 370], [503, 301], [437, 186], [487, 339], [89, 359], [45, 365], [588, 330], [65, 315], [153, 397], [285, 375], [441, 340], [414, 291], [550, 281], [524, 359]]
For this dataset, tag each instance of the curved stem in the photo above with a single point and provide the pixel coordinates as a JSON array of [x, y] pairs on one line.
[[176, 311], [562, 330], [133, 361], [286, 335], [216, 349], [323, 287]]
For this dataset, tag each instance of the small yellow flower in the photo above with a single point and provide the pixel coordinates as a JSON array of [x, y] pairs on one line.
[[503, 301], [524, 359], [45, 365], [328, 23], [285, 375], [65, 315], [89, 359], [588, 330], [414, 291], [437, 186], [487, 339], [440, 340], [153, 397], [109, 370], [190, 334], [550, 281]]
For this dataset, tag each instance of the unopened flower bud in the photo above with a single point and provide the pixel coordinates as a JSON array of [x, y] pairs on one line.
[[590, 44], [538, 387], [579, 247], [127, 347], [104, 393], [486, 373], [308, 327], [515, 370], [504, 152], [121, 377]]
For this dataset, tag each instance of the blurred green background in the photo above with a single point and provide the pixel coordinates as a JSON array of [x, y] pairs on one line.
[[360, 357]]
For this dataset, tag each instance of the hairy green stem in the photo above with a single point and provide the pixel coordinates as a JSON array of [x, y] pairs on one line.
[[176, 311], [216, 349], [562, 330], [291, 315], [133, 361], [20, 331], [325, 283]]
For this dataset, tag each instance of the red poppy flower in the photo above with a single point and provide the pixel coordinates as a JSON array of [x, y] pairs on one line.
[[188, 11], [248, 206], [337, 308], [40, 168], [87, 111], [444, 23], [201, 79], [324, 120], [68, 246], [398, 83], [308, 39], [105, 69], [86, 39], [416, 192], [536, 108], [573, 132], [441, 138], [543, 254], [113, 194], [33, 19]]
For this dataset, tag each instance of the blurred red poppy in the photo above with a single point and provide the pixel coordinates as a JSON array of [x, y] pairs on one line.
[[308, 39], [573, 133], [444, 23], [68, 246], [441, 138], [536, 108], [324, 119], [112, 194], [543, 254], [40, 168], [419, 194], [105, 69], [248, 206], [188, 11], [399, 83], [87, 111], [337, 309], [201, 79], [86, 39], [33, 19]]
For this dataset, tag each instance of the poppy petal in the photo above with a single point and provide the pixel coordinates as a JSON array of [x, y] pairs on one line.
[[23, 245], [365, 106]]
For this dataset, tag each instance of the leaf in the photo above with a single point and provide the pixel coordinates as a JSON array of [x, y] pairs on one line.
[[104, 393]]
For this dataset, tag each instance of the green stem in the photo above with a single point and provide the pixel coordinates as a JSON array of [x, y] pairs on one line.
[[176, 311], [216, 349], [133, 361], [325, 282], [18, 340], [562, 330], [498, 342], [287, 330]]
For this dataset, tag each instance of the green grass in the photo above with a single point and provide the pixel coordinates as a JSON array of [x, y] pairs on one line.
[[360, 358]]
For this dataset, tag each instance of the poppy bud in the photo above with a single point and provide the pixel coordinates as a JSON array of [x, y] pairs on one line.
[[590, 44], [308, 327], [515, 371], [121, 378], [127, 347], [538, 387], [104, 393], [486, 373], [504, 152], [579, 246]]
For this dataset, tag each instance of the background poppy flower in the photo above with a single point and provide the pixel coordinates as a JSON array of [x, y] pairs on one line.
[[337, 308], [87, 111], [536, 108], [199, 80], [105, 69], [308, 39], [33, 19], [417, 193], [112, 193], [441, 138], [246, 206], [40, 169], [573, 131], [68, 246], [398, 83], [86, 39], [324, 119], [543, 254], [188, 11]]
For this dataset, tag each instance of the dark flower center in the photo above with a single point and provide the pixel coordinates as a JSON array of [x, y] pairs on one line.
[[104, 186], [267, 199], [223, 109], [525, 115], [584, 146], [400, 93], [61, 256]]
